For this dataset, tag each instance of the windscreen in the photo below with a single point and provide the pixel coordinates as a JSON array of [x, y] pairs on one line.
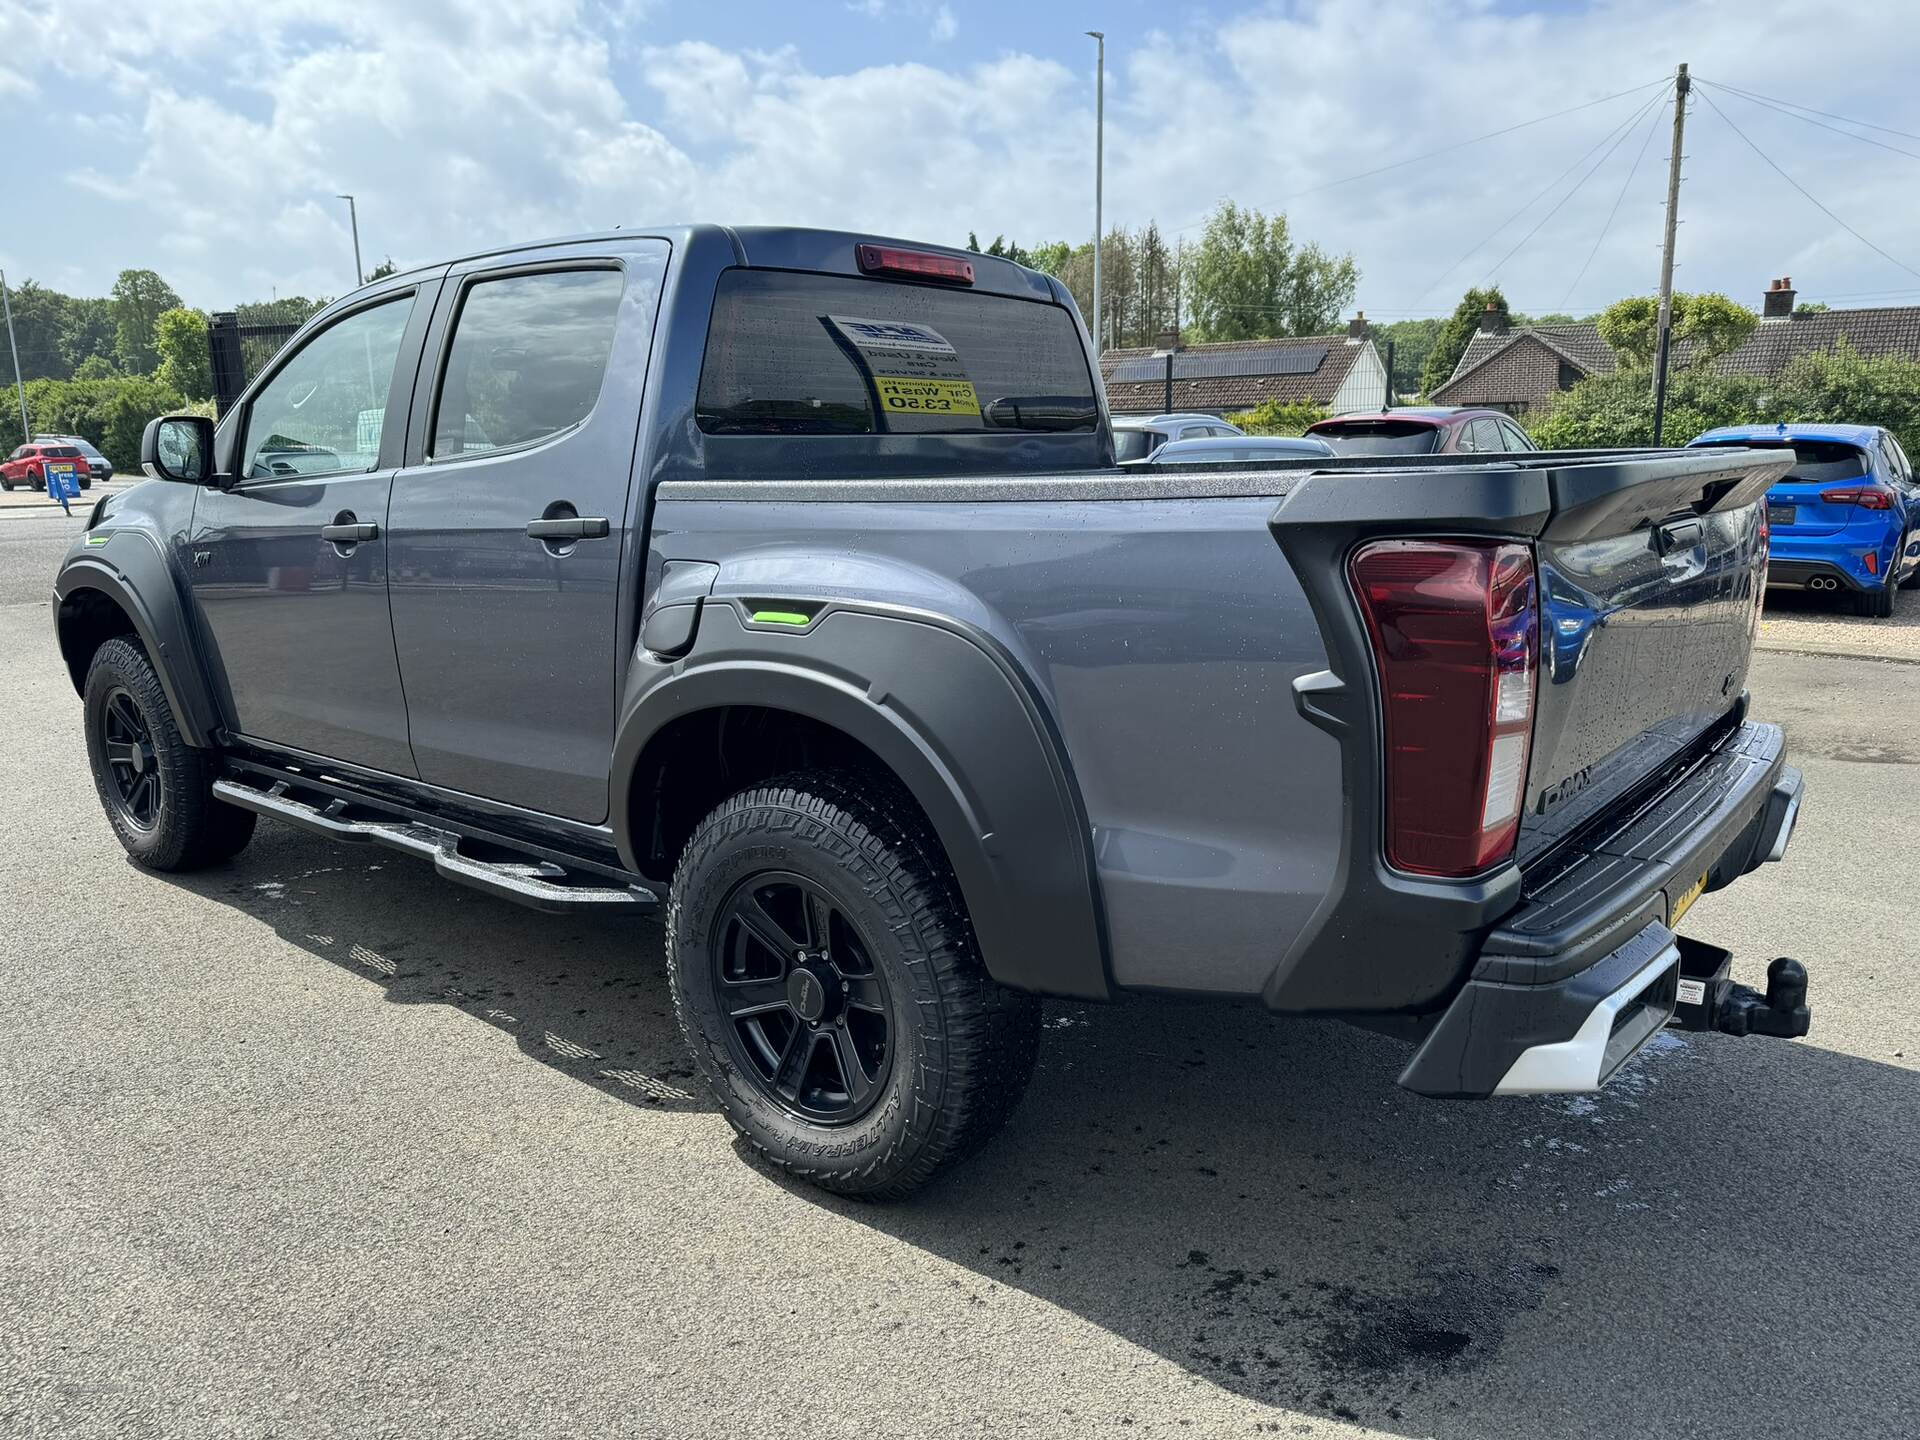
[[1814, 461], [1380, 437], [790, 353]]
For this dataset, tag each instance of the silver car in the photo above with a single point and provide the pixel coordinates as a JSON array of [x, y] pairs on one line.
[[1135, 437]]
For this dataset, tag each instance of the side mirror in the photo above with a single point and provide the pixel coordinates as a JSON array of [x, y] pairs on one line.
[[178, 447]]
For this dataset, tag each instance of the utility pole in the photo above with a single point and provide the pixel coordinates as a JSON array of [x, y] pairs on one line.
[[19, 385], [1099, 177], [353, 215], [1680, 88]]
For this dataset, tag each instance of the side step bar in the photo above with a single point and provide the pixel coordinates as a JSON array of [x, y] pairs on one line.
[[540, 884]]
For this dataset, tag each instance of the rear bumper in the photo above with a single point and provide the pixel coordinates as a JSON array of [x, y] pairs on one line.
[[1815, 575], [1586, 970]]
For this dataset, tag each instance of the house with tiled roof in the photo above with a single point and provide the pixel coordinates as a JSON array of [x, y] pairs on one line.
[[1338, 373], [1521, 368]]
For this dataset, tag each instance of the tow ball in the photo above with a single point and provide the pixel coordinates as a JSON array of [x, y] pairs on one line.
[[1710, 999]]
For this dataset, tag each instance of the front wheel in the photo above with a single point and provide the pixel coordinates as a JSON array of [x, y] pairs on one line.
[[157, 789], [827, 979]]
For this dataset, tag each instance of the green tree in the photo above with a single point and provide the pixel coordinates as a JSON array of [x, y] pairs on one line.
[[1247, 280], [140, 297], [287, 310], [1710, 323], [96, 367], [1456, 334], [1841, 384], [1412, 341], [1811, 307], [385, 268], [86, 330], [181, 339], [1052, 258], [1617, 409], [109, 413], [1276, 417]]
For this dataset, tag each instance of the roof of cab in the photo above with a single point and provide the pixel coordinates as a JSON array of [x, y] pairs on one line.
[[789, 247]]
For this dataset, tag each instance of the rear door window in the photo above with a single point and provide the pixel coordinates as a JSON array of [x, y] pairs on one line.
[[527, 358], [790, 353]]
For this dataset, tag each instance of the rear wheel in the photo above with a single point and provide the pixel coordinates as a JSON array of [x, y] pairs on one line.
[[6, 485], [828, 981], [157, 790], [1877, 604]]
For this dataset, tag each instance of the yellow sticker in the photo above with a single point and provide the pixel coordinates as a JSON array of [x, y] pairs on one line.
[[1685, 902], [903, 396]]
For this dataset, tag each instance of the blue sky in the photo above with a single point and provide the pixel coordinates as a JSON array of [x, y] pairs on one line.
[[207, 138]]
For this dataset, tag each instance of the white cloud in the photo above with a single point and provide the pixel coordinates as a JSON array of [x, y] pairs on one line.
[[459, 123]]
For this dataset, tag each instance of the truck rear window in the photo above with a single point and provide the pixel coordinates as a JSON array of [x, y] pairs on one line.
[[791, 353], [1379, 437]]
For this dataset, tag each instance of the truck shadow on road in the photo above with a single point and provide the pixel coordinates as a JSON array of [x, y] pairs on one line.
[[1720, 1242]]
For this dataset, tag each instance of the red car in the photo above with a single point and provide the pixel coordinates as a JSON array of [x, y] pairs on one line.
[[1423, 430], [28, 466]]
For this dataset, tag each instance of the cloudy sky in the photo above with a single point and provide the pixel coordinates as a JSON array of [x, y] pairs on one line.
[[207, 138]]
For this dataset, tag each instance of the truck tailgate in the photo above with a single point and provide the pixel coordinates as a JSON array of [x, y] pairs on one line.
[[1649, 605]]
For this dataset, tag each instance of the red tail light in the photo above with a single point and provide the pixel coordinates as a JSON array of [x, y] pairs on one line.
[[921, 264], [1867, 497], [1456, 642]]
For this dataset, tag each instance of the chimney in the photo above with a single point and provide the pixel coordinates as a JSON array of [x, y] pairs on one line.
[[1167, 340], [1778, 301], [1492, 322], [1357, 328]]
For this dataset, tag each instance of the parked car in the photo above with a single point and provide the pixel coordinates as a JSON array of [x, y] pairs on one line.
[[1845, 517], [1424, 430], [789, 575], [1135, 437], [28, 465], [98, 466], [1229, 448]]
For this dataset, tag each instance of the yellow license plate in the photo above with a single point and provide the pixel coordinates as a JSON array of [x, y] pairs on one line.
[[926, 397], [1685, 902]]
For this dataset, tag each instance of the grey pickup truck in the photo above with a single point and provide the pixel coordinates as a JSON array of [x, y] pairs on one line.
[[789, 575]]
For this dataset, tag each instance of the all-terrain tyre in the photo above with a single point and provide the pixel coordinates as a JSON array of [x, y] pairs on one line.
[[828, 981], [157, 790]]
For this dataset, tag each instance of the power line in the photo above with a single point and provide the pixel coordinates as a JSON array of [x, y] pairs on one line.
[[1445, 149], [1632, 120], [1653, 123], [1808, 119], [1796, 105], [1544, 191], [1704, 95]]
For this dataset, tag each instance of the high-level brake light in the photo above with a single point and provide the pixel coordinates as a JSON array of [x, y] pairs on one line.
[[1455, 630], [920, 264]]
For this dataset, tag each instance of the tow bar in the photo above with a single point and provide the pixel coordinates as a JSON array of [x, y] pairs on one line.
[[1711, 1000]]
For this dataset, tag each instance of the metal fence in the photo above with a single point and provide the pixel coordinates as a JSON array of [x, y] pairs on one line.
[[239, 352]]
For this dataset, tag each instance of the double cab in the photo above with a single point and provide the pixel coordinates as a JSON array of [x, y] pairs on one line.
[[789, 576]]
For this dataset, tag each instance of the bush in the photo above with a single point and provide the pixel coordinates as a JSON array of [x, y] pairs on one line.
[[1841, 385], [1617, 409], [109, 414], [1273, 417]]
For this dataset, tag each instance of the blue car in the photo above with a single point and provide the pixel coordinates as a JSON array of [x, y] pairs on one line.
[[1846, 518]]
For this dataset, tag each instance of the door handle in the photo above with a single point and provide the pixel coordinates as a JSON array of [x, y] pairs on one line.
[[571, 527], [349, 534]]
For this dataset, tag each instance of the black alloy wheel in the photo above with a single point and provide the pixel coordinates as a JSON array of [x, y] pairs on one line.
[[808, 1014], [127, 742]]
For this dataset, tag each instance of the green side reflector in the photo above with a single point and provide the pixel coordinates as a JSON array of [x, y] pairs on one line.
[[780, 617], [96, 540]]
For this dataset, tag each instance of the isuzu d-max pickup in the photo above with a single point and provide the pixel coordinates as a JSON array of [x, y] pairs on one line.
[[788, 575]]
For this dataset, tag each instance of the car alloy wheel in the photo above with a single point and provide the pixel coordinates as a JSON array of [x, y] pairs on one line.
[[807, 1012], [128, 746]]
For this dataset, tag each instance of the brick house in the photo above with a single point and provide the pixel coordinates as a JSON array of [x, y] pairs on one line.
[[1520, 369], [1339, 373]]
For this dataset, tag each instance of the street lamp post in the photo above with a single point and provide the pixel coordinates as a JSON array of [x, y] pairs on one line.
[[353, 216], [19, 385], [1099, 174]]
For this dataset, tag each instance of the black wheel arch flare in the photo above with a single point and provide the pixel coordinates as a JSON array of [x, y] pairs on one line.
[[957, 722]]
